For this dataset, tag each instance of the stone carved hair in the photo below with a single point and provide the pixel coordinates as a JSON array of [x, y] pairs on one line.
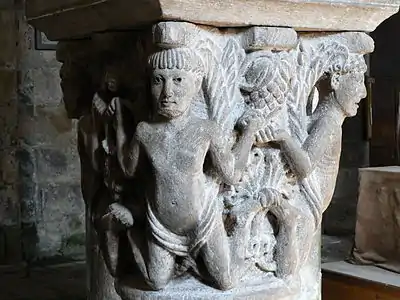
[[177, 58], [340, 61]]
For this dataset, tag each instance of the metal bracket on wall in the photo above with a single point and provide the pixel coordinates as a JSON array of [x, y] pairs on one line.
[[369, 82], [43, 43]]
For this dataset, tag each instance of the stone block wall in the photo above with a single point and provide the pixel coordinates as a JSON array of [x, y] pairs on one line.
[[10, 248], [41, 210]]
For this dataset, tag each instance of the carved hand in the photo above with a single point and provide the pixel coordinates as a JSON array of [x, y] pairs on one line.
[[251, 121], [111, 108], [117, 218], [271, 134], [99, 105]]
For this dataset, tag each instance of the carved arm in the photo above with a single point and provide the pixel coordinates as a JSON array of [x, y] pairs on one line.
[[230, 163], [303, 159], [127, 151]]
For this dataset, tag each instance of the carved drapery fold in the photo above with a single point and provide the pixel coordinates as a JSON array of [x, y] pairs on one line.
[[209, 155]]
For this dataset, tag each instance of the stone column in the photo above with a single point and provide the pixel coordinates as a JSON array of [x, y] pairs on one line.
[[208, 154]]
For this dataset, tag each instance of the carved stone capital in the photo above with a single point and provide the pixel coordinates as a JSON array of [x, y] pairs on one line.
[[209, 155]]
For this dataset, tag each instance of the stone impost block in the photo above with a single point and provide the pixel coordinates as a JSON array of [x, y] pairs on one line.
[[61, 19]]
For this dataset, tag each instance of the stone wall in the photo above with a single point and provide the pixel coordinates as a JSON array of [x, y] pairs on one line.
[[41, 211], [9, 202]]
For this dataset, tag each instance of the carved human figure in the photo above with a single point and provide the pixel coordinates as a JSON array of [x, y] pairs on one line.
[[340, 97], [97, 136], [319, 153], [182, 219]]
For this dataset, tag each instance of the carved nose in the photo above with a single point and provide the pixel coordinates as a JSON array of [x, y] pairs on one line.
[[168, 92], [363, 92]]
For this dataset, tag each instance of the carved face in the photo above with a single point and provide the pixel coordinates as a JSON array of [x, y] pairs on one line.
[[111, 82], [349, 89], [173, 91]]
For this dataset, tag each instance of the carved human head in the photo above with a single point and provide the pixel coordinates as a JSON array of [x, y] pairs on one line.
[[111, 77], [347, 83], [176, 79]]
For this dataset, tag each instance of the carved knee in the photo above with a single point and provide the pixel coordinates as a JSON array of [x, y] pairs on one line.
[[225, 286], [225, 283], [157, 284], [157, 280]]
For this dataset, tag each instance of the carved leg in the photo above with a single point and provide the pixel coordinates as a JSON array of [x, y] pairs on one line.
[[113, 223], [109, 241], [160, 266], [217, 258], [294, 239]]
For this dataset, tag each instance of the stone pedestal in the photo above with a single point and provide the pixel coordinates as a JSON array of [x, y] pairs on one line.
[[378, 224], [210, 138]]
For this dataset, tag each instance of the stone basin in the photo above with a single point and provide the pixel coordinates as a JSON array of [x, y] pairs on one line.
[[63, 19]]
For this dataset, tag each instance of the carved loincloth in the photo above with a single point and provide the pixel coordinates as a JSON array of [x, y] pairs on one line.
[[185, 245]]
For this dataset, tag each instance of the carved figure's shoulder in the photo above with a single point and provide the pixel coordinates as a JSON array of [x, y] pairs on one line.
[[143, 131]]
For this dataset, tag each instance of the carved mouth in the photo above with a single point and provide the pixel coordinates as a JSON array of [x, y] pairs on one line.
[[167, 103]]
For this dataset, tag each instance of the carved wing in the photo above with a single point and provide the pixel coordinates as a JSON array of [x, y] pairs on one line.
[[223, 98]]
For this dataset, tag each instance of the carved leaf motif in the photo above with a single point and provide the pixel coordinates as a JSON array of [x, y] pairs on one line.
[[222, 94]]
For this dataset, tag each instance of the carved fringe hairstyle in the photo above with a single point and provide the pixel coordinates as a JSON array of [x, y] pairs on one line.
[[345, 62], [177, 58]]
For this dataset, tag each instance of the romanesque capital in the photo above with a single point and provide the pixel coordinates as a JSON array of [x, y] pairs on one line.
[[209, 155]]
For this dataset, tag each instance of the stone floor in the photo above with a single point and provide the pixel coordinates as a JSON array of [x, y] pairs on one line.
[[61, 282], [336, 248]]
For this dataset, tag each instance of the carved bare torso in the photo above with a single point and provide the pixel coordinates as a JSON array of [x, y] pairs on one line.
[[179, 198]]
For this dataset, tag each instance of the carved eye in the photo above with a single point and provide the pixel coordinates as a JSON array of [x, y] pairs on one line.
[[157, 80], [178, 80]]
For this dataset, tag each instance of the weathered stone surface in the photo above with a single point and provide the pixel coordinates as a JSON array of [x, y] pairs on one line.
[[10, 249], [340, 217], [377, 238], [206, 146], [61, 19], [8, 38], [37, 150], [59, 223], [269, 38]]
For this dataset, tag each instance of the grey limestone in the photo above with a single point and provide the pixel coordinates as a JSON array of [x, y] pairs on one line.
[[210, 138], [206, 169], [54, 17]]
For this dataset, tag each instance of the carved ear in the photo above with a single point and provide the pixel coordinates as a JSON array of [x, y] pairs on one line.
[[335, 81]]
